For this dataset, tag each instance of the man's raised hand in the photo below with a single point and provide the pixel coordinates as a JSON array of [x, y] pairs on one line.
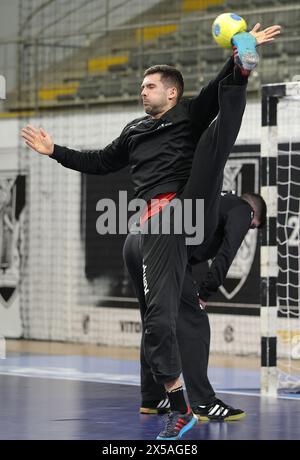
[[266, 35], [38, 140]]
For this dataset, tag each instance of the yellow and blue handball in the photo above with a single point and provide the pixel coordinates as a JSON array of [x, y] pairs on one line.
[[225, 26]]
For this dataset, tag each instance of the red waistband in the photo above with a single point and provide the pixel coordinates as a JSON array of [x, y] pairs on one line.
[[155, 205]]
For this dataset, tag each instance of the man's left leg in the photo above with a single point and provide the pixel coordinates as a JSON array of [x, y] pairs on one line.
[[213, 150], [193, 333]]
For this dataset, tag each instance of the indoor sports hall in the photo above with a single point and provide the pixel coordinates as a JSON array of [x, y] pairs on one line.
[[70, 325]]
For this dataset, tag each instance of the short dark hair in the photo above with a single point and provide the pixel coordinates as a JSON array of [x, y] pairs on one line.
[[260, 207], [169, 75]]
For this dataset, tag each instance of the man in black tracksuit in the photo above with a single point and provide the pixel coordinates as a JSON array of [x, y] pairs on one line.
[[237, 215], [168, 152]]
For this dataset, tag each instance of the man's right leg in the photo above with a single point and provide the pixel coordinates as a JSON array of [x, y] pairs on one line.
[[154, 398], [164, 265]]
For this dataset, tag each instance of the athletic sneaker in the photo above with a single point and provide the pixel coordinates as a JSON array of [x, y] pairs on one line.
[[218, 411], [155, 407], [245, 54], [177, 424]]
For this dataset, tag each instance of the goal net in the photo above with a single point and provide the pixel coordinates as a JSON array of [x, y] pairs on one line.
[[289, 247], [281, 176]]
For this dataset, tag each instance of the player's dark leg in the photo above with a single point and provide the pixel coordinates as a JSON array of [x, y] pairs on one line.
[[214, 147], [164, 264], [193, 333], [163, 267], [154, 398]]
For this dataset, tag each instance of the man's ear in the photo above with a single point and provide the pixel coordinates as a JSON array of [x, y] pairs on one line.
[[173, 92], [252, 225]]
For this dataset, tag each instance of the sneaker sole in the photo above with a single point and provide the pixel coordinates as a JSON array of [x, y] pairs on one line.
[[187, 427], [250, 62], [149, 411], [231, 418], [250, 58]]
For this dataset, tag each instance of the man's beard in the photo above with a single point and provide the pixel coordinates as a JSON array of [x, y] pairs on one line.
[[152, 109]]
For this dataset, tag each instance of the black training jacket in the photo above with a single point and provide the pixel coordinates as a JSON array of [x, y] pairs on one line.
[[158, 152]]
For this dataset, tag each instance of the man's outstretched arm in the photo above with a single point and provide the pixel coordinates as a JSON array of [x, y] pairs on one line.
[[111, 158]]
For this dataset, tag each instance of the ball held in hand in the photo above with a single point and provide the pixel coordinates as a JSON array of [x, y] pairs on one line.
[[225, 26]]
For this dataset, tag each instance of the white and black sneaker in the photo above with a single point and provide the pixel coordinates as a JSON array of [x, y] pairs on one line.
[[218, 411], [155, 407]]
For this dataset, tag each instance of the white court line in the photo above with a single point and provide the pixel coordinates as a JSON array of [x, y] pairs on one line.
[[71, 374], [244, 393], [114, 379]]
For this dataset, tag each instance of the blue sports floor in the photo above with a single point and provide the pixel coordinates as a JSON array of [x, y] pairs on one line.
[[86, 397]]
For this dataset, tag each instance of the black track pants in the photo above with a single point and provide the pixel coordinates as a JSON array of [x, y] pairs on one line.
[[192, 328]]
